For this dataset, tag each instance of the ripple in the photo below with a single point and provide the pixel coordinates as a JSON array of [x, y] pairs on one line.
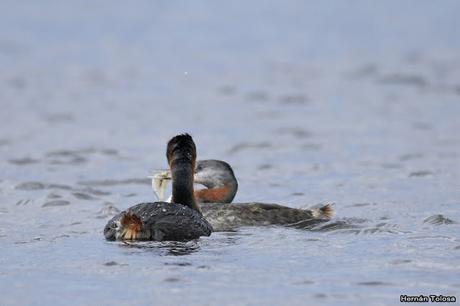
[[421, 173], [59, 117], [311, 146], [362, 204], [96, 192], [53, 195], [178, 264], [30, 186], [23, 202], [33, 240], [391, 166], [174, 248], [265, 166], [357, 226], [83, 196], [75, 157], [410, 156], [366, 71], [111, 263], [56, 203], [34, 185], [245, 146], [303, 282], [434, 237], [294, 99], [23, 161], [374, 283], [400, 261], [108, 211], [422, 126], [343, 224], [74, 160], [58, 186], [438, 220], [130, 195], [63, 236], [404, 79], [69, 153], [297, 132], [227, 90], [111, 182], [258, 96]]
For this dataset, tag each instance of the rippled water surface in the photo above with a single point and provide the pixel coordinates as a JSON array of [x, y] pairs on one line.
[[355, 103]]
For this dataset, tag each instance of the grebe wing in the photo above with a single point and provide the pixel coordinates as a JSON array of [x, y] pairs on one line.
[[230, 216], [158, 221]]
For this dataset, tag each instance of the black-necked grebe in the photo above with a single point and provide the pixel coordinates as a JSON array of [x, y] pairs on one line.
[[221, 183], [180, 220]]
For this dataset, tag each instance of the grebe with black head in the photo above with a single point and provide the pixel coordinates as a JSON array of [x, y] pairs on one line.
[[221, 187], [180, 220]]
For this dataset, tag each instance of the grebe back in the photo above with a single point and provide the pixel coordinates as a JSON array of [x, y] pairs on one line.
[[228, 217]]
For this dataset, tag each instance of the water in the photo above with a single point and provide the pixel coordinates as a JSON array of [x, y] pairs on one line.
[[355, 103]]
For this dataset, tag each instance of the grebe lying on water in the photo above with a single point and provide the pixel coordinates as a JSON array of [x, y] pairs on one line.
[[222, 186], [179, 220]]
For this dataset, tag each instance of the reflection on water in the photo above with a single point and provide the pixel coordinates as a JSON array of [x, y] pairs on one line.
[[173, 248]]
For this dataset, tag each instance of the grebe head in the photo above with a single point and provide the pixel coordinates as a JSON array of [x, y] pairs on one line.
[[220, 180], [213, 173], [181, 149], [181, 155]]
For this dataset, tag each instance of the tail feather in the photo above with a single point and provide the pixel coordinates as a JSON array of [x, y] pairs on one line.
[[131, 226], [324, 211]]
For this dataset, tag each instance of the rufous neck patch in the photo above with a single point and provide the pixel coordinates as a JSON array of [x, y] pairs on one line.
[[214, 195]]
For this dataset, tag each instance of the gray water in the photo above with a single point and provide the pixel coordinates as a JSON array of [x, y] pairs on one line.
[[351, 102]]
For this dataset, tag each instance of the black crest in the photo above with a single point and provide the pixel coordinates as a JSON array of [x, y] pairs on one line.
[[181, 146]]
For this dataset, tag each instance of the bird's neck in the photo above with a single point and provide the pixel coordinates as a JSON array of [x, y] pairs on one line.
[[182, 184], [217, 193]]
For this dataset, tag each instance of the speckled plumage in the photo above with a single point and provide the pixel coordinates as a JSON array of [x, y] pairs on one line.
[[162, 221], [178, 221], [225, 217]]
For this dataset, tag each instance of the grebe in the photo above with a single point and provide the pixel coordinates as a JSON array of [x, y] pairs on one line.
[[179, 220], [216, 175], [222, 185], [218, 178]]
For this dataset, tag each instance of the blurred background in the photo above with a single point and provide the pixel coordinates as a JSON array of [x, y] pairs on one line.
[[352, 102]]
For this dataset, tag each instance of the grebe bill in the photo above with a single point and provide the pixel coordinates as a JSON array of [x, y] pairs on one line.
[[180, 220]]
